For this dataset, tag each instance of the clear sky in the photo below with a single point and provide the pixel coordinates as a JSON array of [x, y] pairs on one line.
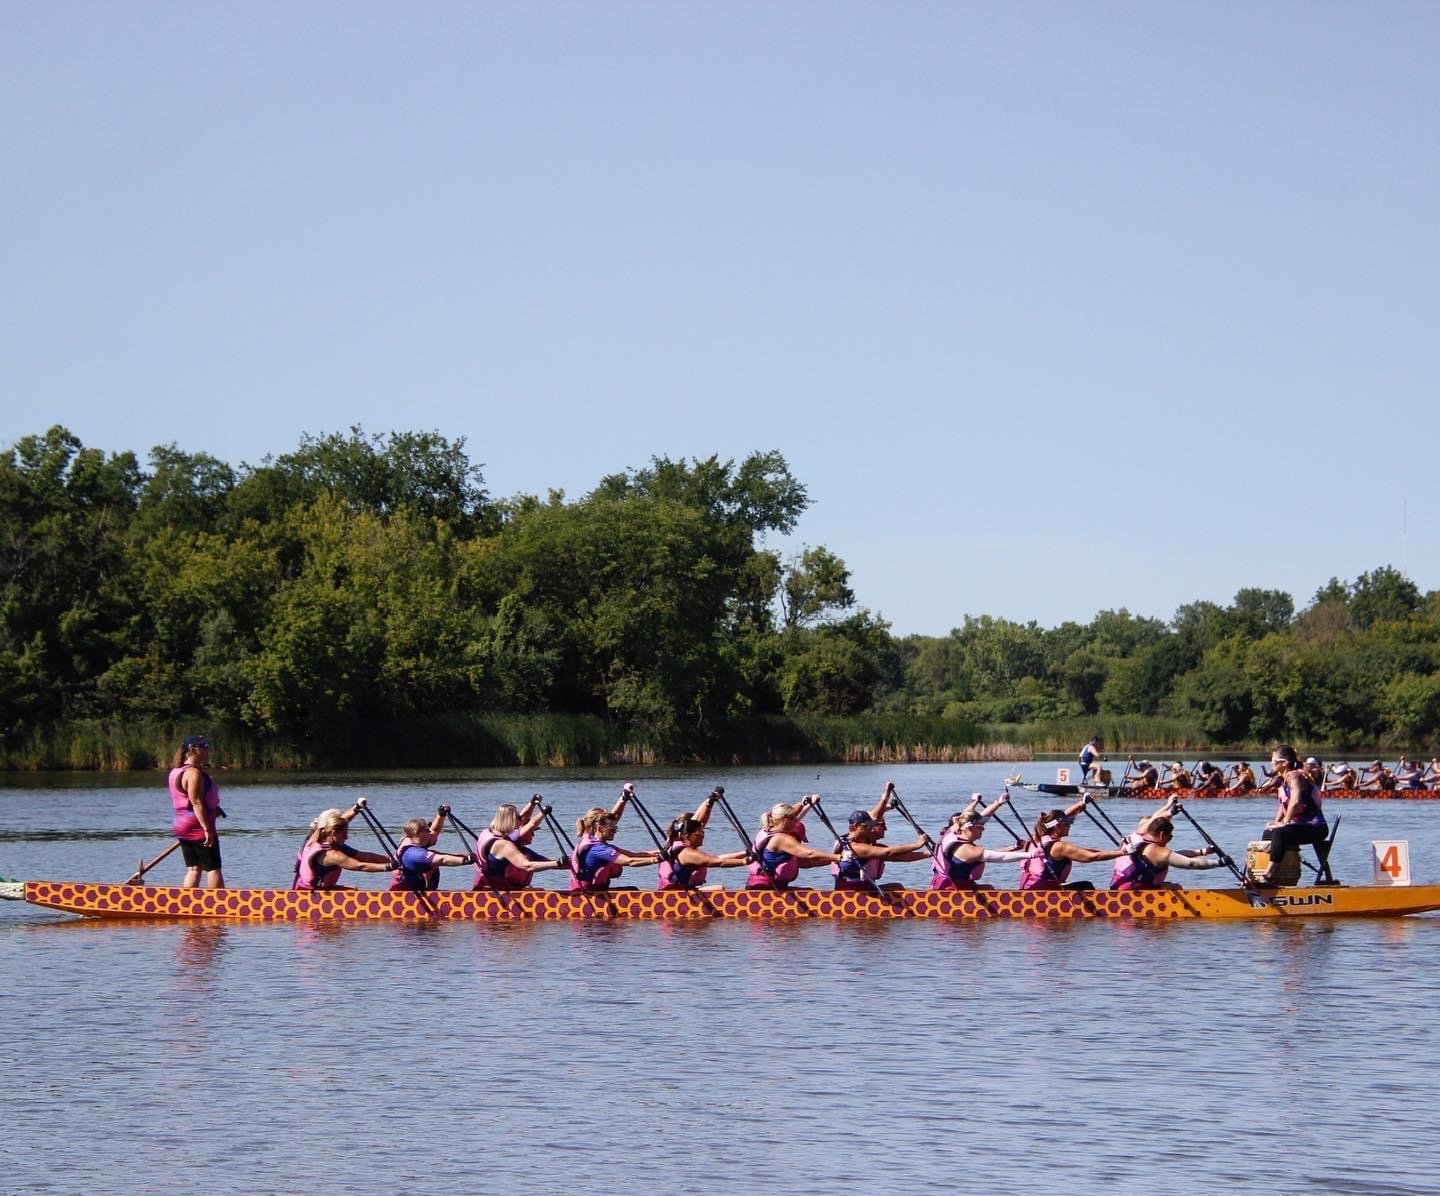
[[1052, 307]]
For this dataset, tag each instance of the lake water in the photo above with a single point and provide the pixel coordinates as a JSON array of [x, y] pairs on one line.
[[726, 1057]]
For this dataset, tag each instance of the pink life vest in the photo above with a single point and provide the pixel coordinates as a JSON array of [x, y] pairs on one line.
[[784, 865], [430, 875], [492, 872], [681, 876], [857, 874], [306, 877], [1039, 871], [951, 873], [1133, 870], [186, 825], [587, 879]]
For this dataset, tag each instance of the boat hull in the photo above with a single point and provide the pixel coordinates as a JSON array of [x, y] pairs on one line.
[[117, 901]]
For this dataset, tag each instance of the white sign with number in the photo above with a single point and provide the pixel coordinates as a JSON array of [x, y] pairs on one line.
[[1062, 776], [1391, 860]]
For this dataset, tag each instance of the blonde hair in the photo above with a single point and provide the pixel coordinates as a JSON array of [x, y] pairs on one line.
[[506, 819], [777, 815], [327, 822], [592, 818], [416, 826]]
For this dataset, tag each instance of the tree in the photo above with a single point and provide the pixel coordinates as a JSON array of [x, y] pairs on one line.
[[817, 583]]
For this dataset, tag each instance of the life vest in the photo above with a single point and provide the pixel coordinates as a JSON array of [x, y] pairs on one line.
[[185, 824], [306, 877], [783, 866], [675, 875], [416, 873], [492, 872], [1311, 812], [588, 876], [852, 874], [951, 873], [1133, 870], [1040, 870]]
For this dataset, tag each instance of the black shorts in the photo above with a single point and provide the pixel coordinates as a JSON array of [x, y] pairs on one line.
[[197, 855]]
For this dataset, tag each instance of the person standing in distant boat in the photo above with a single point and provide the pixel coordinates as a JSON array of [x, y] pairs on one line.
[[195, 800], [1089, 754]]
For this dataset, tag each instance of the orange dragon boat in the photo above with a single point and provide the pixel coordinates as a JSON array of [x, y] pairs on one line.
[[138, 901]]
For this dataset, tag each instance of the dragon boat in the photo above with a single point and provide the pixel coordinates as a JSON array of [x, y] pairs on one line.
[[1145, 794], [139, 901]]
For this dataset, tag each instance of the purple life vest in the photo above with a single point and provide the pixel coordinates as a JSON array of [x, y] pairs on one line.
[[493, 872], [306, 875], [784, 866], [1133, 870], [185, 824]]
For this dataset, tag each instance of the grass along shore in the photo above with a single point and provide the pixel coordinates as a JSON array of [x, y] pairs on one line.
[[566, 740]]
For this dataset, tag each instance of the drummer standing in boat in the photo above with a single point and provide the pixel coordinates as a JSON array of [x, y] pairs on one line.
[[1089, 754]]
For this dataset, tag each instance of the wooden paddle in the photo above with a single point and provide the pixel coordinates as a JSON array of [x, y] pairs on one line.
[[137, 879]]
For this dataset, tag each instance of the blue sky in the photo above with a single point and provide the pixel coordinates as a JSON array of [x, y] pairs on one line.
[[1053, 307]]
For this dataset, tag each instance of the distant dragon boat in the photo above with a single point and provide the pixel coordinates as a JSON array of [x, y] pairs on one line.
[[138, 901], [1103, 791]]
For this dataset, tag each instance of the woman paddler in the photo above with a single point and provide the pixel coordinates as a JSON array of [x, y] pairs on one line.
[[419, 868], [1299, 817], [861, 871], [324, 855], [195, 800], [596, 861], [1148, 856], [1048, 862], [959, 860], [685, 866], [779, 849], [503, 858]]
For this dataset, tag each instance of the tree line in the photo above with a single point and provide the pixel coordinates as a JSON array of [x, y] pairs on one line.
[[365, 580]]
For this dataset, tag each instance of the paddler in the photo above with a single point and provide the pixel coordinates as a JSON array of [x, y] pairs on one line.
[[779, 849], [1209, 778], [862, 857], [1048, 862], [325, 855], [1342, 776], [1376, 776], [1149, 856], [419, 867], [1300, 818], [503, 858], [596, 861], [1145, 776], [959, 860], [1242, 778], [1409, 774], [1178, 778], [685, 865]]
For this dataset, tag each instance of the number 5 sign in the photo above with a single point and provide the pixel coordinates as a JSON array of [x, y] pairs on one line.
[[1391, 859]]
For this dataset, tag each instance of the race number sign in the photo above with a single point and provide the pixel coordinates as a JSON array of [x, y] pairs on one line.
[[1062, 776], [1391, 860]]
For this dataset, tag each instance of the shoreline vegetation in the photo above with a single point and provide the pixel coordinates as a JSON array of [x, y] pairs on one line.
[[566, 741], [363, 600]]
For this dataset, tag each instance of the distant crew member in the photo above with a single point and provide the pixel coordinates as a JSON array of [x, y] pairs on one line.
[[1342, 776], [1209, 778], [1409, 774], [1178, 778], [1376, 776], [1089, 754], [1242, 778], [1145, 776]]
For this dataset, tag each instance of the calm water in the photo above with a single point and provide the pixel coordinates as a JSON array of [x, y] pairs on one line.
[[844, 1058]]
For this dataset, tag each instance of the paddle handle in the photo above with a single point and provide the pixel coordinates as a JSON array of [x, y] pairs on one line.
[[144, 867]]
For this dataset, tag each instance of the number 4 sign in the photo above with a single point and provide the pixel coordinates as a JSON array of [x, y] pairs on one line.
[[1391, 859]]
